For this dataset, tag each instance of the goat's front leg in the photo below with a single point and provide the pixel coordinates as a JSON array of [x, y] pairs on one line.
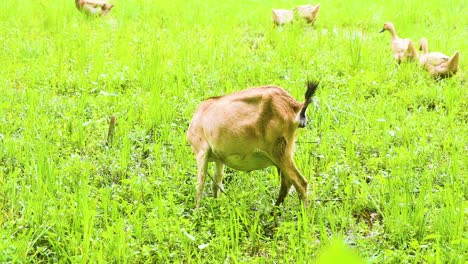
[[202, 164]]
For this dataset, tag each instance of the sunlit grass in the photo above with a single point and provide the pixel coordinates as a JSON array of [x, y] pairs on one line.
[[384, 151]]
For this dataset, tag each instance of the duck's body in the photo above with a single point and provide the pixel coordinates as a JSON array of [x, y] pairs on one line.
[[438, 64], [403, 49], [308, 12], [94, 7], [281, 16]]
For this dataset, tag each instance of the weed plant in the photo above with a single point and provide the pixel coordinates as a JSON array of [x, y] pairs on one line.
[[385, 149]]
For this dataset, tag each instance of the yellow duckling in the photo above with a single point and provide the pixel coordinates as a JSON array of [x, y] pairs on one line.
[[308, 12], [94, 7], [281, 16], [438, 64], [403, 49]]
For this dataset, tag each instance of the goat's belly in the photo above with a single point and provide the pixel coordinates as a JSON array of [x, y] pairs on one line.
[[247, 162]]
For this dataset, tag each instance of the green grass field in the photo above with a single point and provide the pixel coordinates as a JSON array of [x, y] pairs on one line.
[[385, 150]]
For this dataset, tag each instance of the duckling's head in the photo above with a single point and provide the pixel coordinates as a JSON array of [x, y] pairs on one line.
[[388, 26]]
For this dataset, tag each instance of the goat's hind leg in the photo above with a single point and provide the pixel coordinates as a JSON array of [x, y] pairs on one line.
[[284, 189], [282, 153], [292, 174], [218, 179]]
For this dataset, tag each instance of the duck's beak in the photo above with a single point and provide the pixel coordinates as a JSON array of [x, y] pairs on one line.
[[383, 29]]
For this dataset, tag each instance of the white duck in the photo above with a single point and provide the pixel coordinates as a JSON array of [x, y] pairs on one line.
[[438, 64], [403, 49], [308, 12], [281, 16], [94, 7]]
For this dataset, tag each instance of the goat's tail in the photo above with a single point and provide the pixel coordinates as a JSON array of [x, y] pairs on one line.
[[311, 88]]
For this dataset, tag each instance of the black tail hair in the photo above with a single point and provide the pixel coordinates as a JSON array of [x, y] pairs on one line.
[[311, 88]]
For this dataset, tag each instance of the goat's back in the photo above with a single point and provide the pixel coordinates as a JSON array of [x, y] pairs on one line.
[[241, 129], [253, 107]]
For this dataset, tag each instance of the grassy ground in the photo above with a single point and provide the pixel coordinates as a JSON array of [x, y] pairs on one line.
[[387, 141]]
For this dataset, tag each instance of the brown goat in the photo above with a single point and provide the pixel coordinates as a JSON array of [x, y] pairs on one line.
[[250, 130]]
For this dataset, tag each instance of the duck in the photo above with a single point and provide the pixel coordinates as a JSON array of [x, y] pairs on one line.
[[438, 64], [308, 12], [281, 16], [94, 7], [403, 49]]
